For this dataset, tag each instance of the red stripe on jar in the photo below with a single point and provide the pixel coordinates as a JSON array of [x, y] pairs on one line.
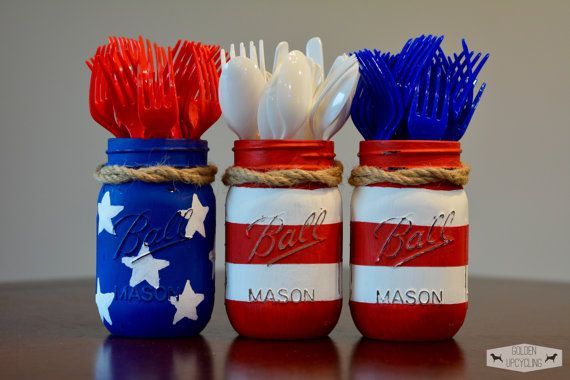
[[275, 320], [401, 245], [408, 322], [267, 244]]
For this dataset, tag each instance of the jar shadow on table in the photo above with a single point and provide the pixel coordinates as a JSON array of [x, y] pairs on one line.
[[379, 359], [127, 358], [270, 359]]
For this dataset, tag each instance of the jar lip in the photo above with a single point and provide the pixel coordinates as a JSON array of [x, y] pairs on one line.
[[124, 145], [137, 152], [439, 145], [284, 154], [280, 144], [390, 154]]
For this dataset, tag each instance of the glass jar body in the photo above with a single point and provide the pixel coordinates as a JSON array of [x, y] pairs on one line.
[[155, 246], [409, 249], [283, 248]]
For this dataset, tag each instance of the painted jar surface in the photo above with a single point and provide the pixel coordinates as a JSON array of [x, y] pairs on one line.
[[409, 246], [155, 244], [283, 245]]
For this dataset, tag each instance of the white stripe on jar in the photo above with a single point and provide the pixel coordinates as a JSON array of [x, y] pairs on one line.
[[377, 204], [408, 285], [245, 205], [283, 282]]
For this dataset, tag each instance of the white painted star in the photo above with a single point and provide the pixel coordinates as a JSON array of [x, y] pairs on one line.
[[196, 216], [186, 303], [103, 301], [145, 267], [107, 212], [212, 258]]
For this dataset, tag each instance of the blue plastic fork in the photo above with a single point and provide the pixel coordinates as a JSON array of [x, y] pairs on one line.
[[382, 63], [441, 59], [388, 58], [428, 116], [415, 65], [463, 82], [419, 93], [404, 56], [387, 112], [375, 106], [416, 54], [456, 131], [361, 102]]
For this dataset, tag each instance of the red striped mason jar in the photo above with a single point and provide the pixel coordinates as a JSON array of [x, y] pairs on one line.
[[409, 246], [283, 245]]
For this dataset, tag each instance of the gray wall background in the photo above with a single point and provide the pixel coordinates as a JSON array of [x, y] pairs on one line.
[[517, 143]]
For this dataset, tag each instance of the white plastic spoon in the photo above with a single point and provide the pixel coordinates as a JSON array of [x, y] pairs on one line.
[[281, 53], [332, 105], [314, 51], [293, 95], [287, 98]]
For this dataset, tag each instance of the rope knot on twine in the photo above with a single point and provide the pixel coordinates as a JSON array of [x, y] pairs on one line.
[[367, 175], [117, 174], [237, 175]]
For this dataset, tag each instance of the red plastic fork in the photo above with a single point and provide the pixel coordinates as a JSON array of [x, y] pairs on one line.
[[123, 90], [126, 59], [197, 69], [206, 103], [186, 77], [157, 101], [100, 104]]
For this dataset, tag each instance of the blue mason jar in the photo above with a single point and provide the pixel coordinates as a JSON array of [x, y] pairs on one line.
[[155, 244]]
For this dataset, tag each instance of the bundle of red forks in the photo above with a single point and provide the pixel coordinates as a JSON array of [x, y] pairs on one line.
[[139, 89]]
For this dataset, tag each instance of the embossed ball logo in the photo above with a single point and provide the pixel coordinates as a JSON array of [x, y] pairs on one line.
[[277, 241], [402, 241]]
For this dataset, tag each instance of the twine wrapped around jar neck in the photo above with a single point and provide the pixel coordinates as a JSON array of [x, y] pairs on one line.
[[117, 174], [367, 175], [237, 175]]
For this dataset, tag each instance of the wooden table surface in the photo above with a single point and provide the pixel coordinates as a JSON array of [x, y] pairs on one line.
[[52, 330]]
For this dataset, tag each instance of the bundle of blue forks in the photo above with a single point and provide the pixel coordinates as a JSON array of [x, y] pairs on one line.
[[417, 94]]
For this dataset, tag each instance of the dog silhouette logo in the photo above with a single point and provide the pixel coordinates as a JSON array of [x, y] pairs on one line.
[[496, 357], [551, 357]]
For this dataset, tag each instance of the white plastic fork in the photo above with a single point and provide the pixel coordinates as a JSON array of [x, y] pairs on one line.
[[253, 55], [262, 61], [241, 84]]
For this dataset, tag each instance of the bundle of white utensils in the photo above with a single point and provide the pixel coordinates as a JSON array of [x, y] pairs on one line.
[[295, 101]]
